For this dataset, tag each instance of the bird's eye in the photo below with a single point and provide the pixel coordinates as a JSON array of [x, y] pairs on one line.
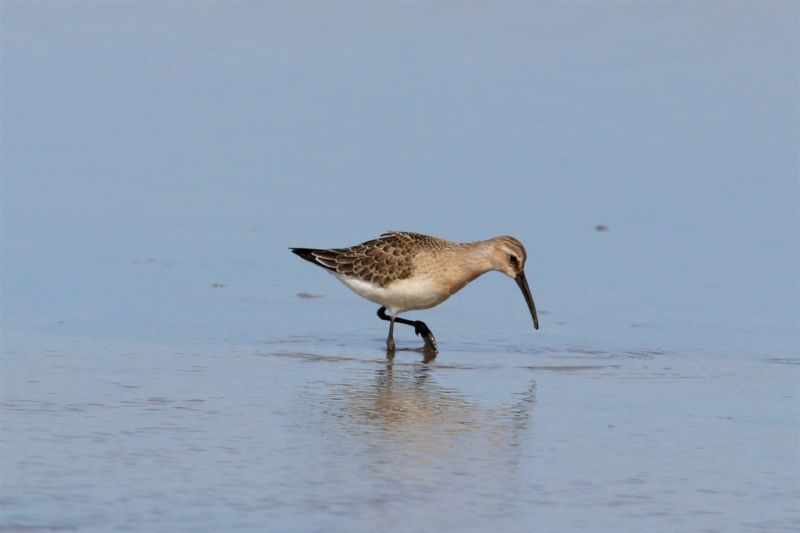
[[513, 259]]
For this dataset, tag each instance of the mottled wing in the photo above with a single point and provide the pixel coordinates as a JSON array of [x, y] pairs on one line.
[[381, 261]]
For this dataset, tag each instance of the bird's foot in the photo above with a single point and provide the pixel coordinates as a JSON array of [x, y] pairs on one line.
[[430, 345], [429, 351], [421, 329]]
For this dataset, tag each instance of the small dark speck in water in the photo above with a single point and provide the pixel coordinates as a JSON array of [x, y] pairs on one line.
[[308, 295], [601, 227], [217, 285], [784, 361]]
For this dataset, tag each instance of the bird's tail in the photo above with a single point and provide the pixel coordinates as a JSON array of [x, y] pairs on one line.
[[305, 253], [323, 258]]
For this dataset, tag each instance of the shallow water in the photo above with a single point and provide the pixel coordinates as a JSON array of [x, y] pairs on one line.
[[168, 365], [305, 434]]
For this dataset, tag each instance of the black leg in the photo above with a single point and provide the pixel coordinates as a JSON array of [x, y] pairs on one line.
[[420, 328]]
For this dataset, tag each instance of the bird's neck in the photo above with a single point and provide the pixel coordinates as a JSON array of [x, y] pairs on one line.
[[478, 258], [467, 262], [476, 261]]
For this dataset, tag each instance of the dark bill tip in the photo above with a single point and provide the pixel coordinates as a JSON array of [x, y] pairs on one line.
[[526, 292]]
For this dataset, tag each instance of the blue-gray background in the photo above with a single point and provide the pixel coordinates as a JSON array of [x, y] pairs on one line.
[[159, 158]]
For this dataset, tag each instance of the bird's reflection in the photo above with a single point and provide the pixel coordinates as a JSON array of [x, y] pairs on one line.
[[430, 430], [407, 405], [407, 400]]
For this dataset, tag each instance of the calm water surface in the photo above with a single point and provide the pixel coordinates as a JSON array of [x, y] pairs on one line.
[[305, 433], [168, 365]]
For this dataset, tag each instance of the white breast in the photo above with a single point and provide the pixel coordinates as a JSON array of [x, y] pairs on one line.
[[401, 295]]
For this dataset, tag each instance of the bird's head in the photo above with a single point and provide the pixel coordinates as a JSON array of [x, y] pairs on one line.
[[508, 256]]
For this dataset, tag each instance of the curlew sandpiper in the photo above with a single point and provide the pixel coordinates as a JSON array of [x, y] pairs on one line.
[[405, 271]]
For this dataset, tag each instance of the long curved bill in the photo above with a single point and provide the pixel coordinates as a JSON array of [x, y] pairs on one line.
[[526, 291]]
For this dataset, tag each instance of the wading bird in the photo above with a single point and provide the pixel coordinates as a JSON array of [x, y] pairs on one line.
[[405, 271]]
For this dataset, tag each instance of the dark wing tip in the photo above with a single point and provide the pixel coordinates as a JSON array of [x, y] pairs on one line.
[[313, 255], [305, 253]]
